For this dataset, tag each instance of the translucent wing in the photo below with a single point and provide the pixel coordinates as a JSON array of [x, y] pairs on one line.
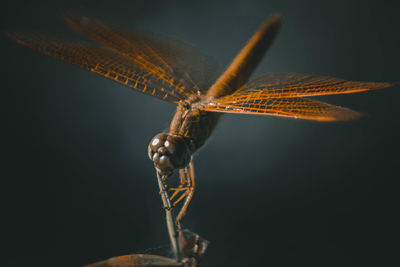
[[276, 85], [103, 61], [172, 61], [293, 107]]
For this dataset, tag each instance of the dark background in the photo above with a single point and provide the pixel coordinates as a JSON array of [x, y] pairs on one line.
[[77, 186]]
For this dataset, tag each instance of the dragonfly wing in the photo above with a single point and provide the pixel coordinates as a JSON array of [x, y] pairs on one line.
[[276, 85], [293, 107], [103, 61], [175, 62]]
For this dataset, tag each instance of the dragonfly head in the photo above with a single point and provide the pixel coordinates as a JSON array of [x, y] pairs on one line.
[[169, 153]]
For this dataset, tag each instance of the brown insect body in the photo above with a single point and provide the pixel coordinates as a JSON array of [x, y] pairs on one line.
[[194, 124], [189, 129]]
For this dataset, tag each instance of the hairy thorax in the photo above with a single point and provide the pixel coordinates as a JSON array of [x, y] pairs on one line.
[[193, 124]]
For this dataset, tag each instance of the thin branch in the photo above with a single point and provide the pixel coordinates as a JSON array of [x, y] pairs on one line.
[[168, 216]]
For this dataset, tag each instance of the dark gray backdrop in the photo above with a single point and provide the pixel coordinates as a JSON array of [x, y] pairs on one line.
[[77, 186]]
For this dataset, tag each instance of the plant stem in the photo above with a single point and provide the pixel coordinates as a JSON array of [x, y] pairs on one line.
[[168, 216]]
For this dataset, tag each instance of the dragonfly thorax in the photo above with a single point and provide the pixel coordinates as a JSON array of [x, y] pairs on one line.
[[169, 153]]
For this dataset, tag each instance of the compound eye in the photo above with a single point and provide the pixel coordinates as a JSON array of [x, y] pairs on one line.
[[177, 147], [168, 152], [165, 164], [170, 146], [155, 143]]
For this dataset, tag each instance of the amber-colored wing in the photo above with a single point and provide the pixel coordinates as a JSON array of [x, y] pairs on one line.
[[279, 94], [174, 62], [275, 85], [103, 61]]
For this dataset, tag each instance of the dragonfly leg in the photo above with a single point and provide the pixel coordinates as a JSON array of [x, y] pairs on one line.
[[181, 186], [177, 191], [180, 198], [189, 171], [182, 176]]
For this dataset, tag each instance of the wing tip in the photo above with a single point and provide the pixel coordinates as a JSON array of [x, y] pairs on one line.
[[380, 85], [390, 84], [74, 21], [348, 115], [22, 38], [339, 114], [13, 35]]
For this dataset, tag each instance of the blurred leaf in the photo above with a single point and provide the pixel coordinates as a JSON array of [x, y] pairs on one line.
[[136, 260]]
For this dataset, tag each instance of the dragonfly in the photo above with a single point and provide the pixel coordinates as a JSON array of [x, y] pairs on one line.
[[179, 73]]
